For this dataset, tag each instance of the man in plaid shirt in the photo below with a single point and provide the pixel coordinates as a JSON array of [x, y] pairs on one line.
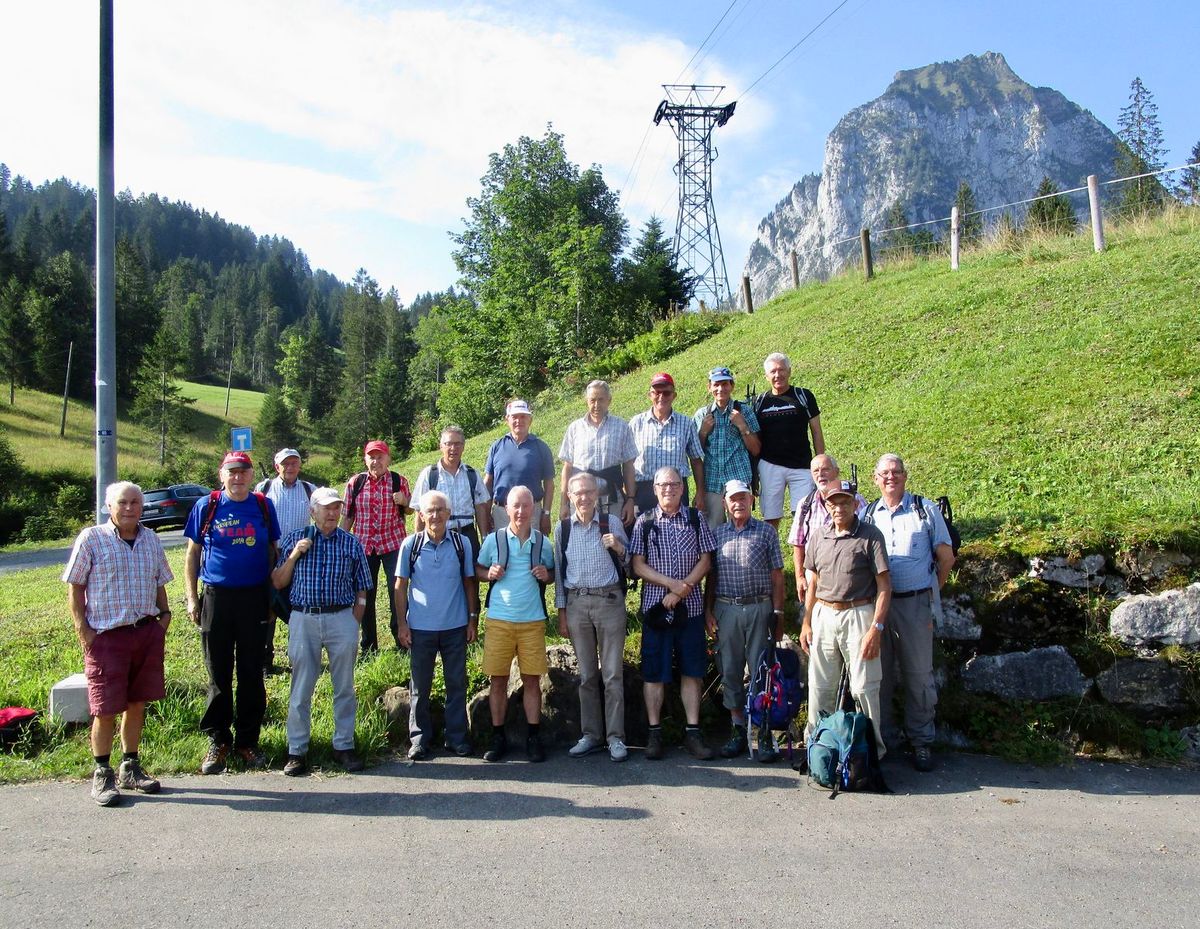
[[744, 600], [664, 439], [729, 433], [376, 502]]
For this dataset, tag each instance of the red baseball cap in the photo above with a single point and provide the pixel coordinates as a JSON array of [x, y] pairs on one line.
[[234, 460], [662, 379], [377, 445]]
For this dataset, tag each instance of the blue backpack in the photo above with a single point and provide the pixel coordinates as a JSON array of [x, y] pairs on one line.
[[842, 754], [777, 690]]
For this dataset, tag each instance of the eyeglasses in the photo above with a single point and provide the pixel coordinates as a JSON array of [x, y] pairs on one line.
[[667, 485], [890, 473]]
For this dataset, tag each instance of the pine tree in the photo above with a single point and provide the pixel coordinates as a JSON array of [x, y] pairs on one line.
[[277, 426], [1052, 214], [1189, 180], [1140, 151], [158, 401], [14, 334], [970, 222]]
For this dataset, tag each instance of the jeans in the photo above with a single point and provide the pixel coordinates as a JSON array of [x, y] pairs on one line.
[[369, 641], [233, 625], [337, 633], [451, 644]]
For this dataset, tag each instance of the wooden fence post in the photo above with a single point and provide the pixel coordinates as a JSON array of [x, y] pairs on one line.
[[868, 268], [1097, 216], [795, 270], [746, 293], [954, 239], [62, 426]]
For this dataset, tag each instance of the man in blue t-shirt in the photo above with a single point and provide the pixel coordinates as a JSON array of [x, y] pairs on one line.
[[520, 459], [231, 548]]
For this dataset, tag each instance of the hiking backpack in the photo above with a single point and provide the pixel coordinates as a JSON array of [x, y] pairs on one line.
[[919, 504], [564, 535], [842, 754], [265, 485], [419, 543], [472, 478], [776, 693], [358, 483], [535, 558]]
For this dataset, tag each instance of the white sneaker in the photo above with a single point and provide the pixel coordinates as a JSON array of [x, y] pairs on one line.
[[617, 750], [585, 746]]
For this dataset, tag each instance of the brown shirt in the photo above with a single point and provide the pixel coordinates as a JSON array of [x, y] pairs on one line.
[[847, 564]]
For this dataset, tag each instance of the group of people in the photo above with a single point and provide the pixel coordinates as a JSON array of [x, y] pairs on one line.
[[665, 498]]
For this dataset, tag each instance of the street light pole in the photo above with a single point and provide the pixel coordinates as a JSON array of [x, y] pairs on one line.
[[106, 314]]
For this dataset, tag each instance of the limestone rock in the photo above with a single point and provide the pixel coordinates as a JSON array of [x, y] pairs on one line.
[[1084, 572], [1150, 565], [957, 622], [1170, 618], [1150, 689], [1039, 674], [396, 702]]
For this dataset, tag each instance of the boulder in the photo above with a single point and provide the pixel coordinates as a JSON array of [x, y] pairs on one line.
[[1170, 618], [1083, 572], [1039, 674], [957, 622], [1191, 741], [1150, 565], [396, 702], [1150, 689]]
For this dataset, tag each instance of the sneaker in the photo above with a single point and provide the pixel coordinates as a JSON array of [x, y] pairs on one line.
[[252, 759], [693, 742], [617, 750], [923, 758], [737, 744], [585, 746], [767, 752], [214, 759], [654, 745], [295, 765], [348, 759], [132, 777], [499, 748], [104, 787], [533, 749], [417, 752]]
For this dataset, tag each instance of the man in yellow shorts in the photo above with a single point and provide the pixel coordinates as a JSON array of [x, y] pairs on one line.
[[517, 561]]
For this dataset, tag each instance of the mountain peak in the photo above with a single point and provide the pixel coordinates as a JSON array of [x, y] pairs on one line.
[[971, 81]]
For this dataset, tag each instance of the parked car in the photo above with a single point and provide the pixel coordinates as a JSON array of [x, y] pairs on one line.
[[170, 506]]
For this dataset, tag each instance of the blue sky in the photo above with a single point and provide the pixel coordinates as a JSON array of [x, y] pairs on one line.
[[357, 129]]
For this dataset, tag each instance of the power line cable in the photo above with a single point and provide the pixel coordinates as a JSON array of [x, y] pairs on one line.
[[786, 54], [705, 42]]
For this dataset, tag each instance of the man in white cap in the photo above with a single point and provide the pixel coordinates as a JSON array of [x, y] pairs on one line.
[[327, 569], [520, 459]]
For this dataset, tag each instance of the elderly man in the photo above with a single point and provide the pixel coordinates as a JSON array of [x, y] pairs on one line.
[[672, 549], [600, 444], [330, 583], [520, 459], [664, 439], [920, 557], [438, 600], [846, 606], [518, 562], [231, 548], [470, 502], [744, 600], [786, 415], [812, 514], [118, 578], [376, 502], [729, 434], [589, 592], [290, 495]]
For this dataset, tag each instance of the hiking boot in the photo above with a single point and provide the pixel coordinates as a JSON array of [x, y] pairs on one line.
[[923, 758], [533, 749], [252, 759], [767, 752], [695, 746], [737, 744], [654, 745], [585, 746], [417, 752], [214, 759], [498, 749], [132, 777], [617, 750], [295, 766], [349, 760], [104, 787], [462, 749]]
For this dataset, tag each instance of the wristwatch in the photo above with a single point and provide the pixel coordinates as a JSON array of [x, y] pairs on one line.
[[879, 627]]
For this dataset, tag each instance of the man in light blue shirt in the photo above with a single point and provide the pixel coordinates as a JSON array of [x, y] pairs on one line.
[[919, 560]]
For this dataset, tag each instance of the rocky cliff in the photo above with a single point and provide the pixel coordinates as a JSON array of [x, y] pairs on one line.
[[970, 120]]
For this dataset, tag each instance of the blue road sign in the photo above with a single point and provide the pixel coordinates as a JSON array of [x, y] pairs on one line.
[[240, 439]]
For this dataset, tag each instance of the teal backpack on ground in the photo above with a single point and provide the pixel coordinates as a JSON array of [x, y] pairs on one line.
[[842, 754]]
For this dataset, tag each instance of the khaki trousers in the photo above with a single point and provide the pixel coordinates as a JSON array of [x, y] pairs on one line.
[[837, 644]]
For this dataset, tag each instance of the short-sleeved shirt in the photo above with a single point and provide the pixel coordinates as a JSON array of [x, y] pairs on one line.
[[847, 564], [816, 517], [516, 597], [291, 503], [745, 558], [122, 580], [671, 547], [593, 448], [589, 563], [512, 465], [910, 540], [726, 457], [436, 599], [236, 550], [457, 488], [783, 419], [330, 573], [377, 520], [670, 444]]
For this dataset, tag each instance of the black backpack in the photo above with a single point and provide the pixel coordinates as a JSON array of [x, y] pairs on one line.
[[419, 543], [263, 486], [564, 535], [650, 521], [472, 478], [356, 486], [919, 504], [535, 558]]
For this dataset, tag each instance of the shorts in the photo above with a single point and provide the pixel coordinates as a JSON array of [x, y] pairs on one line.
[[772, 479], [124, 666], [660, 647], [503, 640]]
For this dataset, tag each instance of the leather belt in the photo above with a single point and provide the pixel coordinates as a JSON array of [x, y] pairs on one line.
[[910, 593], [594, 591], [845, 604], [318, 610], [138, 623], [744, 601]]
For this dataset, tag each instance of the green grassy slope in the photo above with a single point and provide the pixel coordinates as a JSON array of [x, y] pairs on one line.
[[1049, 390]]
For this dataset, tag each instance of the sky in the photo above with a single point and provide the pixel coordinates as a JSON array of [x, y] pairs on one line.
[[358, 128]]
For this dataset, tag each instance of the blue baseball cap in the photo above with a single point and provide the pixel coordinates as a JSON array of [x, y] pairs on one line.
[[720, 374]]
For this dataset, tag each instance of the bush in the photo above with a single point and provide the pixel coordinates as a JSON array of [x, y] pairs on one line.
[[663, 341]]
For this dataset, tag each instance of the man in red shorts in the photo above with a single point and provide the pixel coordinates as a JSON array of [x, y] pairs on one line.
[[118, 597]]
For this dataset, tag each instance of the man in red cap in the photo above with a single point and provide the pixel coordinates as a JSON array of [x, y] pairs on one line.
[[376, 504], [664, 439], [231, 547]]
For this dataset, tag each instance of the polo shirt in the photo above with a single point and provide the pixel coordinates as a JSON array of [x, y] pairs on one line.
[[725, 455], [516, 597], [122, 580], [436, 599], [910, 541], [847, 564], [512, 465], [670, 444], [236, 550], [745, 558]]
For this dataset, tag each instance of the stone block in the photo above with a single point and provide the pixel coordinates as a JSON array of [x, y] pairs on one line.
[[1150, 689], [1083, 572], [69, 699], [1169, 618], [1039, 674], [957, 622]]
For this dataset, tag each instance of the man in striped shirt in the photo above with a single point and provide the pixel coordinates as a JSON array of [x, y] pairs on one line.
[[664, 439], [118, 597], [600, 444], [330, 582]]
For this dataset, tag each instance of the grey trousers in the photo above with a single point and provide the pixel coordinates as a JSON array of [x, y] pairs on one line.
[[308, 633], [907, 657], [426, 646], [741, 637], [596, 622]]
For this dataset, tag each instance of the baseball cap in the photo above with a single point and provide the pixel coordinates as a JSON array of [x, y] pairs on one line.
[[285, 453], [323, 496], [377, 445], [839, 489], [662, 379], [736, 487], [517, 406], [719, 374], [235, 460]]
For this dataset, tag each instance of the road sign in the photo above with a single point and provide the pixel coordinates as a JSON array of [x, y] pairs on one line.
[[240, 439]]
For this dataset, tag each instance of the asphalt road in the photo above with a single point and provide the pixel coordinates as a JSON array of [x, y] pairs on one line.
[[41, 557], [455, 842]]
